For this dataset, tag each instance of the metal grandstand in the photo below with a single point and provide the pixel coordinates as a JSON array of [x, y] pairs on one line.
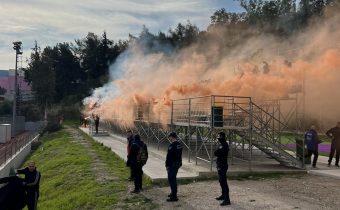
[[254, 130]]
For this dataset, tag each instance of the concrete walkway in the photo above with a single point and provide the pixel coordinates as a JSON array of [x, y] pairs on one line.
[[155, 167], [323, 169]]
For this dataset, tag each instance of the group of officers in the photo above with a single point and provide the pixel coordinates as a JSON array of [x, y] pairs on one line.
[[174, 161]]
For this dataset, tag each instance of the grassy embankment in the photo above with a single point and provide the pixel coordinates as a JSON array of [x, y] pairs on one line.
[[69, 181]]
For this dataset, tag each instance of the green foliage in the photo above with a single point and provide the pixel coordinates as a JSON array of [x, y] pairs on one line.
[[40, 73], [222, 17], [31, 111], [70, 78], [53, 124], [71, 112], [6, 108], [184, 35], [2, 91], [66, 73], [96, 54], [282, 17], [52, 127]]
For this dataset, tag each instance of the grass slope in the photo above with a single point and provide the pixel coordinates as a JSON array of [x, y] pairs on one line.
[[69, 183]]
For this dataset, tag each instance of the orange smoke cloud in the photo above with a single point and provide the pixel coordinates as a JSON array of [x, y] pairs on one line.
[[249, 69]]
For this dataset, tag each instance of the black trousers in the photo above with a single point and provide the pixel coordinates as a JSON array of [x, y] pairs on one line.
[[137, 172], [316, 155], [97, 124], [331, 155], [222, 178], [32, 199], [132, 176], [172, 179]]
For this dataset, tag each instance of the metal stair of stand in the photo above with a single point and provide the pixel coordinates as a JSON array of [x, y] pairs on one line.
[[276, 152], [273, 149]]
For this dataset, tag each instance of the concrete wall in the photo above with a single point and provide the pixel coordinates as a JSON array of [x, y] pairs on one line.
[[16, 161]]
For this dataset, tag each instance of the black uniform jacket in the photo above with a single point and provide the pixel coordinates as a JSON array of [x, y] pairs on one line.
[[222, 155], [174, 155]]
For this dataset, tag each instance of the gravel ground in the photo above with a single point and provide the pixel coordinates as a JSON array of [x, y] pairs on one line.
[[298, 192]]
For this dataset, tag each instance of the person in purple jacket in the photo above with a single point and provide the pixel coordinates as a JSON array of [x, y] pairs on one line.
[[312, 143]]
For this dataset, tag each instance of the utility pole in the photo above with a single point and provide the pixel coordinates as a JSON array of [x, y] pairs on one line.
[[17, 48]]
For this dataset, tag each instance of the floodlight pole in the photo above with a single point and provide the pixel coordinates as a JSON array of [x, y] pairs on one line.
[[17, 48]]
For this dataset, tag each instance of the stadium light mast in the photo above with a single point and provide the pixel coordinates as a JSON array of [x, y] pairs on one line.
[[17, 48]]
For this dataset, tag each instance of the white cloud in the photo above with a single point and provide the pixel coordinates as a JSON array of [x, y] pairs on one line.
[[52, 21]]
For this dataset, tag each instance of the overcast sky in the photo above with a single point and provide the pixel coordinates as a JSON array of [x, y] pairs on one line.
[[53, 21]]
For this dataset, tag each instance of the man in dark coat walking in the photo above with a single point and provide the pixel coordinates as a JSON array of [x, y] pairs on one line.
[[334, 134]]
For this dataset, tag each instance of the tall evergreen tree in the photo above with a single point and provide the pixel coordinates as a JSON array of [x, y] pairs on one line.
[[42, 76], [69, 76]]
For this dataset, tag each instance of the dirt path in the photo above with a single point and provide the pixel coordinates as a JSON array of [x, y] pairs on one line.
[[97, 166], [159, 196], [300, 192]]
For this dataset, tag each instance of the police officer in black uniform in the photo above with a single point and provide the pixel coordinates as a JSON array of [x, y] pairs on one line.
[[173, 163], [31, 183], [96, 122], [222, 166], [136, 167], [129, 143]]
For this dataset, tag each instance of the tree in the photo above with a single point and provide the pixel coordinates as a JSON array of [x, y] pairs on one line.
[[42, 76], [184, 35], [88, 55], [282, 17], [6, 108], [96, 55], [108, 52], [2, 91], [309, 8], [221, 17], [70, 76]]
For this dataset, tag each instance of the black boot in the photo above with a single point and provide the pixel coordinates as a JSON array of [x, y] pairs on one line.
[[172, 199], [225, 203]]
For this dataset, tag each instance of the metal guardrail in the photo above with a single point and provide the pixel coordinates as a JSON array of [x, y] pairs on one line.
[[11, 148]]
